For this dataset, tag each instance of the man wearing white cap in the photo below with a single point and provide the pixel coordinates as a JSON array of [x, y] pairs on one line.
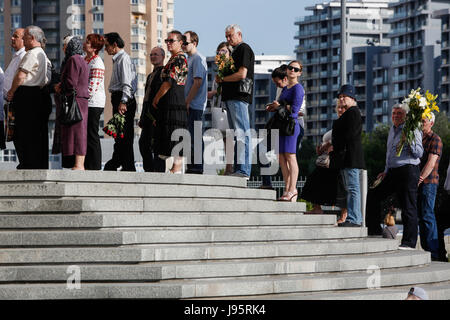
[[417, 293]]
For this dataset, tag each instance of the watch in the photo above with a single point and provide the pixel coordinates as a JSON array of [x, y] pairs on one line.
[[124, 101]]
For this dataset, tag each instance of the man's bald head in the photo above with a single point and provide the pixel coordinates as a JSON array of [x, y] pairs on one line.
[[17, 39]]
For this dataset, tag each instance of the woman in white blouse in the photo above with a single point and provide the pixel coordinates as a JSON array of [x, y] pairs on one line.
[[92, 46]]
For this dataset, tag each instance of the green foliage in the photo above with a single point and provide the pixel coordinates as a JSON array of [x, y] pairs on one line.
[[374, 146]]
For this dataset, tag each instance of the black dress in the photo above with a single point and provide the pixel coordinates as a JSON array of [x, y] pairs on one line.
[[324, 186], [172, 106]]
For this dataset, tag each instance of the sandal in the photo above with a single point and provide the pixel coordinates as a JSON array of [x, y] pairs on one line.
[[290, 197]]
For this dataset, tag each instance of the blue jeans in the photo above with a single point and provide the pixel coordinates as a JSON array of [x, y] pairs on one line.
[[196, 163], [427, 219], [239, 120], [351, 184]]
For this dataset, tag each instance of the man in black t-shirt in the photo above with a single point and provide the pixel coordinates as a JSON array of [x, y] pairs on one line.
[[237, 98]]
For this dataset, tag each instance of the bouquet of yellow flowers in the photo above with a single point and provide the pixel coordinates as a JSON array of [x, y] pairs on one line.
[[420, 107], [225, 67]]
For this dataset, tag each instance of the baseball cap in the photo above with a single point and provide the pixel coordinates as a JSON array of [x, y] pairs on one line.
[[419, 293]]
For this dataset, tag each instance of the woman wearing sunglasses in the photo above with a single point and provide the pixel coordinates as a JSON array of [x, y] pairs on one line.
[[170, 99], [293, 94]]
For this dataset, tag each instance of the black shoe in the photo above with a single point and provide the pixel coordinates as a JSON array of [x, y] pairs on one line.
[[191, 171], [348, 224]]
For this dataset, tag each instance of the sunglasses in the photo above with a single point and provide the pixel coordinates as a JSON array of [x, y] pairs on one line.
[[186, 43], [170, 41], [294, 68]]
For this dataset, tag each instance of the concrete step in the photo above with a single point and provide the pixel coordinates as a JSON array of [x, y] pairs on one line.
[[227, 287], [188, 219], [124, 190], [148, 205], [129, 236], [190, 270], [44, 176], [192, 252], [435, 291]]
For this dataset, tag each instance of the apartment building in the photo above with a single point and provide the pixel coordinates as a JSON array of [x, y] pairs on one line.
[[319, 50], [415, 44], [444, 99], [371, 75]]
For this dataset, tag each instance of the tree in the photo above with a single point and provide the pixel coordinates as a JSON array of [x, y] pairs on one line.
[[374, 146]]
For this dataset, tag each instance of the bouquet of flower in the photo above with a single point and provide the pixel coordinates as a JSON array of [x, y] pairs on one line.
[[225, 67], [420, 107], [115, 126]]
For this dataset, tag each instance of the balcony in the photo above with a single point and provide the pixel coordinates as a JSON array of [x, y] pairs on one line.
[[324, 102], [359, 82], [139, 39], [359, 67], [400, 77], [378, 111], [324, 59], [323, 88], [139, 8], [399, 94], [360, 97], [324, 116], [378, 80], [52, 9], [378, 96], [312, 117], [48, 24], [324, 74], [399, 62]]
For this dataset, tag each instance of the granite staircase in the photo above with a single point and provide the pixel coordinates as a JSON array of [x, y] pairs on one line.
[[116, 235]]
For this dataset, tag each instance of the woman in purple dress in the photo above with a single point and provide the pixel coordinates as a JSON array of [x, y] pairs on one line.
[[75, 75], [293, 95]]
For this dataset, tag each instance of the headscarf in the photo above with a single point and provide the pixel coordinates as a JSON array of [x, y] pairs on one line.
[[74, 47]]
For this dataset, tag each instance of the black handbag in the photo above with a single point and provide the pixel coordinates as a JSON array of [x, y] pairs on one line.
[[246, 86], [282, 120], [70, 111]]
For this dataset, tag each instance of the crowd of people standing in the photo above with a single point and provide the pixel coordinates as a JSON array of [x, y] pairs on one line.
[[176, 95]]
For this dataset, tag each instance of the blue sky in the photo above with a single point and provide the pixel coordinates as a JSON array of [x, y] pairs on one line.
[[267, 26]]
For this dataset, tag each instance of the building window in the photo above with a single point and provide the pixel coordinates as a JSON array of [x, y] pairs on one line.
[[16, 3], [78, 2], [78, 32], [97, 2], [98, 31], [8, 156], [16, 21], [78, 17], [98, 17]]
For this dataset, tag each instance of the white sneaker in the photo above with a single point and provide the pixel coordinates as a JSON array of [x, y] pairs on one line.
[[403, 247]]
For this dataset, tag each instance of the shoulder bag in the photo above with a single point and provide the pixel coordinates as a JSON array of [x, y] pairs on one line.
[[70, 113], [282, 120], [246, 86]]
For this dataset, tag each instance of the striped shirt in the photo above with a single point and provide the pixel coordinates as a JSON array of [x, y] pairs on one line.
[[124, 77], [432, 144]]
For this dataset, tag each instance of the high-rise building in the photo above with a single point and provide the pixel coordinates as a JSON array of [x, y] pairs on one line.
[[319, 50], [415, 44], [370, 74], [444, 98]]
